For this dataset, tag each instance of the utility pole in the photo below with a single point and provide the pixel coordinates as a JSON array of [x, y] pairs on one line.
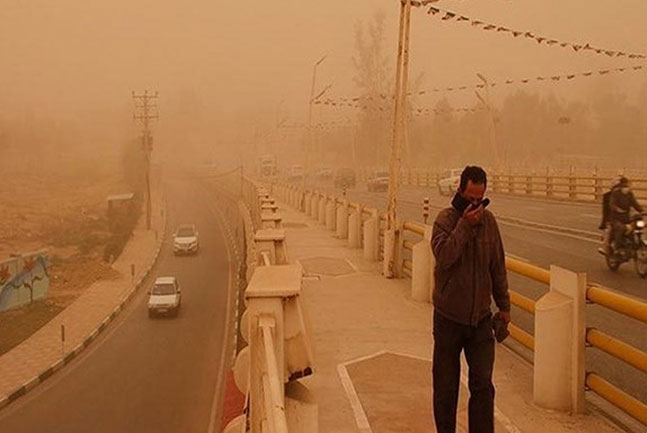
[[398, 136], [145, 111], [488, 106]]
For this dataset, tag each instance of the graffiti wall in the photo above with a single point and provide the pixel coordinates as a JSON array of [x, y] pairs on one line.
[[23, 279]]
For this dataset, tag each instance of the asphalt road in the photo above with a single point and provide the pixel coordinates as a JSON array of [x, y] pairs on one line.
[[544, 248], [147, 375]]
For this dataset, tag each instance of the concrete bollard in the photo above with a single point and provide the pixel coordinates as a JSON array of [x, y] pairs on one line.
[[342, 220], [354, 230], [560, 337], [330, 215], [314, 210], [372, 238], [422, 275], [321, 215]]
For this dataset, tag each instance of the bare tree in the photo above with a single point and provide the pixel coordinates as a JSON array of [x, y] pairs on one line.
[[372, 77]]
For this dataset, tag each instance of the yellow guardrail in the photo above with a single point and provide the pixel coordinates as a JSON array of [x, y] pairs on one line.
[[621, 350], [615, 395], [522, 336], [522, 302], [527, 270], [619, 303]]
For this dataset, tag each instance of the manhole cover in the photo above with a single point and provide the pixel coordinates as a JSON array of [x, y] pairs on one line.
[[326, 266], [289, 225]]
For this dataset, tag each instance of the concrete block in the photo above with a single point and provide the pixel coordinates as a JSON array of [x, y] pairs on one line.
[[321, 214], [371, 239], [330, 215], [355, 230], [342, 221], [560, 333]]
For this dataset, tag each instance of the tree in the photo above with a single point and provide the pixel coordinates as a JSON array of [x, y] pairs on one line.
[[372, 77]]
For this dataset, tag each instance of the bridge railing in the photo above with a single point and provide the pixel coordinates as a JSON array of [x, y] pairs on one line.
[[573, 185], [561, 310], [275, 328]]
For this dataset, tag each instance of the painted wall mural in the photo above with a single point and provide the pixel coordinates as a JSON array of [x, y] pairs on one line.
[[24, 279]]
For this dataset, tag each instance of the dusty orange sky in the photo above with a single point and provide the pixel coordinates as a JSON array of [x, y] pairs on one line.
[[70, 56]]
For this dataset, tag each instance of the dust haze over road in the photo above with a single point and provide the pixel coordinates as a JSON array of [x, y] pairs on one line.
[[227, 71], [234, 82]]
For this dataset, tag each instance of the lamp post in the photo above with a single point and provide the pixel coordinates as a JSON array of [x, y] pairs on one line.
[[309, 141]]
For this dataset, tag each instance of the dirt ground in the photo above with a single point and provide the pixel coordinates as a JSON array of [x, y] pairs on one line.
[[65, 214]]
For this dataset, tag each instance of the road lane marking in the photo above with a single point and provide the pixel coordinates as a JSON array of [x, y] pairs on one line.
[[219, 382]]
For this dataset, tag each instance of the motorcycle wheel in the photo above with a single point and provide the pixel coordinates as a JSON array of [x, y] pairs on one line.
[[640, 261], [612, 262]]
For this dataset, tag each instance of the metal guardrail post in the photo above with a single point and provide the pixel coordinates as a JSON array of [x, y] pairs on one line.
[[549, 186], [528, 185]]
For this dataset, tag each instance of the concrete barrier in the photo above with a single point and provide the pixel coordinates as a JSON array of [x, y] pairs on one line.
[[422, 278], [314, 209], [355, 229], [308, 203], [321, 213], [342, 220], [372, 237], [330, 215], [560, 336]]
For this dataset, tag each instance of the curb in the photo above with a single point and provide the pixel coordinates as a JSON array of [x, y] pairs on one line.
[[60, 363]]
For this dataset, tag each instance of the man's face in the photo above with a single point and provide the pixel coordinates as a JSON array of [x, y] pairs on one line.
[[474, 192]]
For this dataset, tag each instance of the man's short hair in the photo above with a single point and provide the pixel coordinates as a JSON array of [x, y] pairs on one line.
[[475, 174]]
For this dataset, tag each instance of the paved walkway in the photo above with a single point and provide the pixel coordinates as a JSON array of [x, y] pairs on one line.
[[43, 350], [373, 344]]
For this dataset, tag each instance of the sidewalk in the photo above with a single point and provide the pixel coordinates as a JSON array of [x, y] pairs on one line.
[[373, 345], [36, 358]]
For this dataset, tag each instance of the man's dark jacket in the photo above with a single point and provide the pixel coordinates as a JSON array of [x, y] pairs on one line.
[[470, 267]]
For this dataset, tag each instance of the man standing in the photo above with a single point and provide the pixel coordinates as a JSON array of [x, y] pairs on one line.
[[470, 271]]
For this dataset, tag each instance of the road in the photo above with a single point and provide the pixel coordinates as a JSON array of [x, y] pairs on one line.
[[146, 375], [544, 248]]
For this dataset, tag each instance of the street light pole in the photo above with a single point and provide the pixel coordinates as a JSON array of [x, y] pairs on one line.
[[310, 140], [398, 134]]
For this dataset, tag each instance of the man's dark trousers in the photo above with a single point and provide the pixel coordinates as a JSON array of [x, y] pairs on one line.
[[450, 338]]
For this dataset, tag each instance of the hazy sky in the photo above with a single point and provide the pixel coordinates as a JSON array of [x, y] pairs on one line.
[[73, 56]]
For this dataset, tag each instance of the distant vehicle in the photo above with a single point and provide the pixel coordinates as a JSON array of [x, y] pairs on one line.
[[378, 181], [185, 240], [267, 167], [324, 173], [165, 297], [449, 181], [345, 177], [295, 173]]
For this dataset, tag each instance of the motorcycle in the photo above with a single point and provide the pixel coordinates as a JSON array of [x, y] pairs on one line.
[[633, 246]]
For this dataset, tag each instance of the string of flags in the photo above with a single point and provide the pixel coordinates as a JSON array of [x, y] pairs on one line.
[[320, 125], [351, 102], [416, 111], [446, 15]]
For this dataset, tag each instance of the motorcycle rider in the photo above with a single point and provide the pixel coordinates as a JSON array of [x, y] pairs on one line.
[[621, 201], [605, 224]]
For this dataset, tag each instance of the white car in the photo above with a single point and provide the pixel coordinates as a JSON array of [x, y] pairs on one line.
[[378, 181], [449, 181], [185, 240], [165, 297]]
